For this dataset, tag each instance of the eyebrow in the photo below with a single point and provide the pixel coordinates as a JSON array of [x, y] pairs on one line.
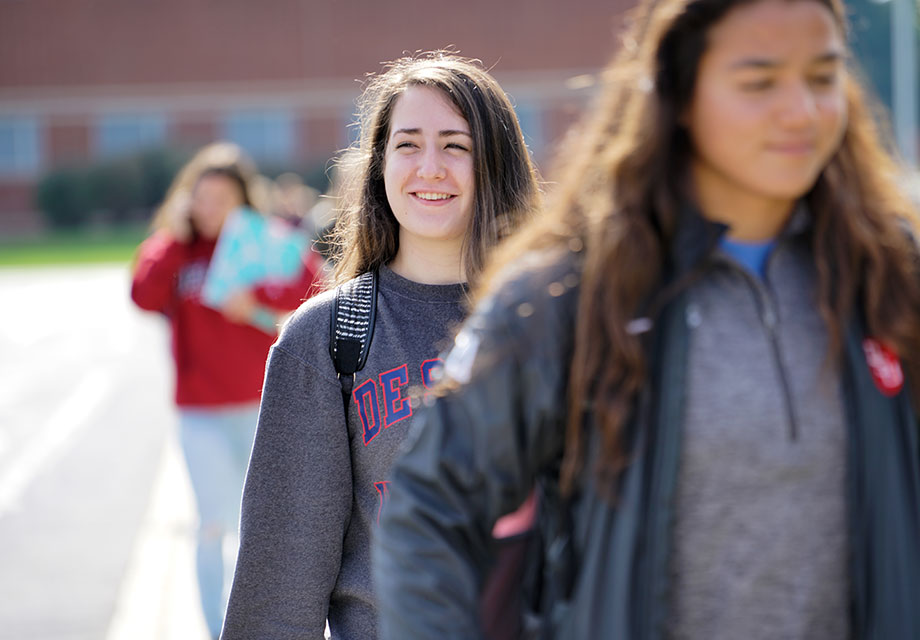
[[767, 63], [441, 134]]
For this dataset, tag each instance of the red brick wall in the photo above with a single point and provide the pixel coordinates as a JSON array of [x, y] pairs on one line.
[[17, 215], [15, 195], [193, 129], [66, 141], [99, 42], [323, 136], [79, 56]]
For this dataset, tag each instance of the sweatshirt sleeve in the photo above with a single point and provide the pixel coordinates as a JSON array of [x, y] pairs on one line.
[[287, 296], [159, 259], [296, 506], [471, 458]]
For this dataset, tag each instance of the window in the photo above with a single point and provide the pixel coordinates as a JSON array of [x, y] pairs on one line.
[[266, 135], [20, 146], [531, 121], [119, 134]]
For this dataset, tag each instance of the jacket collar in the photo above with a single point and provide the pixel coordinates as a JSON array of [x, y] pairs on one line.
[[694, 239], [697, 237]]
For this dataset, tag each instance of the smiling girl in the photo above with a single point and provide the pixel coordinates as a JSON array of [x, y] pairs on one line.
[[440, 174], [716, 332]]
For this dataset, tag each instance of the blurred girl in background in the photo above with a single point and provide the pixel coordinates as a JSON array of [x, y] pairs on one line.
[[219, 354]]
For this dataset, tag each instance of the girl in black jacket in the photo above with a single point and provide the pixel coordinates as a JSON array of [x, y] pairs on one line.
[[716, 330]]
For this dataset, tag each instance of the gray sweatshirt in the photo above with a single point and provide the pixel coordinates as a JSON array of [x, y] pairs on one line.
[[760, 520], [316, 486]]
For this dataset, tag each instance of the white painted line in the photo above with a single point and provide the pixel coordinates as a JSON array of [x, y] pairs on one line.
[[73, 415], [158, 598]]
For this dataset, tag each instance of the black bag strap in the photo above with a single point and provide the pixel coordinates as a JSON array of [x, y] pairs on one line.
[[549, 572], [560, 563], [351, 329]]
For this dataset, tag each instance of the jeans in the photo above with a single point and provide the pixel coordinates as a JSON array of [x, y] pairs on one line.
[[217, 443]]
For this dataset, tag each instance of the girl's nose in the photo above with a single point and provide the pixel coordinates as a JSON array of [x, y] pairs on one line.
[[431, 165], [799, 105]]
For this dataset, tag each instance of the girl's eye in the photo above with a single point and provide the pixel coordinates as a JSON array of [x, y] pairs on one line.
[[405, 145], [455, 145], [757, 85], [823, 80]]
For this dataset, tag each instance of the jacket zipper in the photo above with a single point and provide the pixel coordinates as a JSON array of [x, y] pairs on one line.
[[769, 319], [665, 463]]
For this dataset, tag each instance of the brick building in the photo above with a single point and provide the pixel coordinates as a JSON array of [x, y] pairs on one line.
[[87, 79]]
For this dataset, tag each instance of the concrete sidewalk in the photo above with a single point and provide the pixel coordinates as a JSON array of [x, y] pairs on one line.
[[158, 599]]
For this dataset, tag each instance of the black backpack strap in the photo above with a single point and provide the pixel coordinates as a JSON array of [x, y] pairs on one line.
[[549, 573], [352, 328], [559, 559]]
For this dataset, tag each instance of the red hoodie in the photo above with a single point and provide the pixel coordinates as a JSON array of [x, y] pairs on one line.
[[218, 362]]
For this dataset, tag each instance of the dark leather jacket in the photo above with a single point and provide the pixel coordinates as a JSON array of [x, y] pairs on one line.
[[475, 453]]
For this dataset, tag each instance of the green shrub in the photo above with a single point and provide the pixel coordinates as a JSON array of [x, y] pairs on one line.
[[115, 190], [158, 168], [64, 199], [124, 190]]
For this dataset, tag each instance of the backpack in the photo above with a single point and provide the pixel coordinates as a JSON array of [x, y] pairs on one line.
[[532, 573], [354, 313]]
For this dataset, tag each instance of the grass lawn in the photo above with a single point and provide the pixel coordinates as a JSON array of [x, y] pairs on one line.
[[73, 247]]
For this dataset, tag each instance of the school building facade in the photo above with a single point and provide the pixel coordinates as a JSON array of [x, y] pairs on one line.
[[85, 80]]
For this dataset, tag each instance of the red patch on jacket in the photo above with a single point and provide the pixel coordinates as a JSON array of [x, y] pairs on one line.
[[885, 367]]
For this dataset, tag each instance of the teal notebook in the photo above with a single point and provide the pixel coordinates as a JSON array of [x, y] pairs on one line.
[[253, 250]]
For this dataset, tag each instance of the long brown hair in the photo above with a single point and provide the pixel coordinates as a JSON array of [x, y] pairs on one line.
[[618, 197], [367, 233]]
